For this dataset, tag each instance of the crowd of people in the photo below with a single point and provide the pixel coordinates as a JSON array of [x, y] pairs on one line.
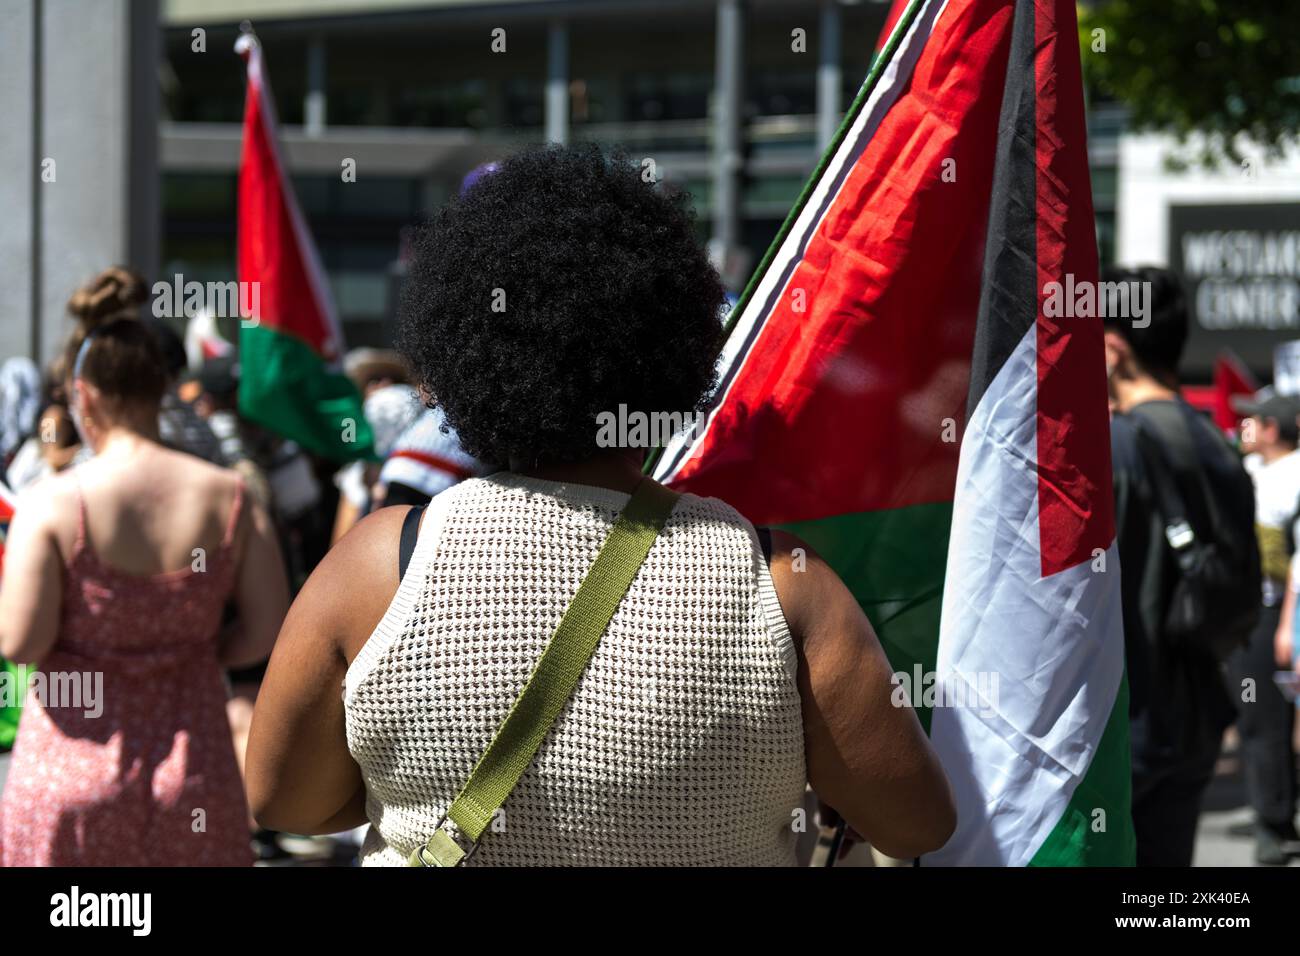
[[1207, 539], [287, 645]]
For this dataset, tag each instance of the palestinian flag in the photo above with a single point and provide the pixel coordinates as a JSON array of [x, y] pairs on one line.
[[1231, 378], [290, 342], [7, 501], [11, 693], [895, 391]]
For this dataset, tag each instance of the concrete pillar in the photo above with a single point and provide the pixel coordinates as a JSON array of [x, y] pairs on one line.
[[557, 83], [79, 90], [728, 119], [313, 107], [830, 80], [19, 192]]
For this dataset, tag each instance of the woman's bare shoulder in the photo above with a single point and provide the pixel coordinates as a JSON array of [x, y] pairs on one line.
[[807, 587], [355, 582], [49, 498], [371, 543]]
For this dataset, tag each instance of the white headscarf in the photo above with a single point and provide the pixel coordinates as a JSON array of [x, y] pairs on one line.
[[391, 410], [20, 402]]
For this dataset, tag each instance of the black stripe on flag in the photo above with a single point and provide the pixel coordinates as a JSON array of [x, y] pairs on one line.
[[1009, 291]]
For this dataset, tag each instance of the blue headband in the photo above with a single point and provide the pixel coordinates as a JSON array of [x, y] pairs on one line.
[[81, 354]]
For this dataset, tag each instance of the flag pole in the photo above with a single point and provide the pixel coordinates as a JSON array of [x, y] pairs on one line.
[[837, 841], [247, 40]]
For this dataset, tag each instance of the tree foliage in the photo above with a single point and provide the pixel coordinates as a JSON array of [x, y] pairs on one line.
[[1221, 68]]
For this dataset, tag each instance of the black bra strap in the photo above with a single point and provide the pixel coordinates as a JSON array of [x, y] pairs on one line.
[[765, 542], [410, 532]]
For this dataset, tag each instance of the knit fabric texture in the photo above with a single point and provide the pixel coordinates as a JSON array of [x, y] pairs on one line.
[[683, 741]]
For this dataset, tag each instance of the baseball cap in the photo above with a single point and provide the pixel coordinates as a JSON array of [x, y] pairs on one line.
[[1266, 403]]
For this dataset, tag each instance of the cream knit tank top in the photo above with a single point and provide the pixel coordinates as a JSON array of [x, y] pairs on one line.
[[683, 741]]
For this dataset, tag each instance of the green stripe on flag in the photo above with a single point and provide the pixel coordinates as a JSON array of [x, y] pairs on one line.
[[16, 678], [285, 387], [893, 561], [1097, 828]]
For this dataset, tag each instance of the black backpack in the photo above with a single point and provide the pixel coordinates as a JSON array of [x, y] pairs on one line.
[[1214, 600]]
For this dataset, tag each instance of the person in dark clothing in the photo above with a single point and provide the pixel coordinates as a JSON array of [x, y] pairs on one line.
[[1265, 718], [1178, 703]]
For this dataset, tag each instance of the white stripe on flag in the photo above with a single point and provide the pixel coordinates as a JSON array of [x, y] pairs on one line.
[[1055, 644]]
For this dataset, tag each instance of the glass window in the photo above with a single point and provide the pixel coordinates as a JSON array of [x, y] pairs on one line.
[[782, 93], [524, 99], [442, 105], [674, 96], [357, 228]]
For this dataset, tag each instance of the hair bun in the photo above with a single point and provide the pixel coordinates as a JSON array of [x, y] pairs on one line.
[[115, 293]]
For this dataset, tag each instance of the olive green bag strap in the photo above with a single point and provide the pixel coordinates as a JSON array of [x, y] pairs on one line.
[[553, 679]]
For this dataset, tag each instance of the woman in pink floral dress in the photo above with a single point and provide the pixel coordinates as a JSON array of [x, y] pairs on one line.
[[116, 575]]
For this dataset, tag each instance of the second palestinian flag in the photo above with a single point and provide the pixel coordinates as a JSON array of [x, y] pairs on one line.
[[289, 341]]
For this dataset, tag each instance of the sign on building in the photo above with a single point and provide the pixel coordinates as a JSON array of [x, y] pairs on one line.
[[1240, 266]]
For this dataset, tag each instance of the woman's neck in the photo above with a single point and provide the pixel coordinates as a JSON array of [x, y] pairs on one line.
[[127, 435], [1133, 392], [620, 471]]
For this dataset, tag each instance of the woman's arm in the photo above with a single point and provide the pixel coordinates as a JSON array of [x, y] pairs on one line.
[[867, 758], [261, 594], [31, 588], [299, 773], [1284, 636]]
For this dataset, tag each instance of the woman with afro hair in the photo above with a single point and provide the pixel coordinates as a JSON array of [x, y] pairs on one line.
[[558, 290]]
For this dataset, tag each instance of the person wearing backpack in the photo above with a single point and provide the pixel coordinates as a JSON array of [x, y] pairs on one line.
[[1266, 719], [1189, 565]]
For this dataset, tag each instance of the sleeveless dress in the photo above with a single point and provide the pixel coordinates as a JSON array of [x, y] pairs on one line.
[[683, 741], [140, 771]]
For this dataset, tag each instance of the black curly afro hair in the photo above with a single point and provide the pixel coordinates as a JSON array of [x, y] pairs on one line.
[[603, 297]]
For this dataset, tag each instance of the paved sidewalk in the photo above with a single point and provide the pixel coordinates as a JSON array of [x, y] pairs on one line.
[[1225, 806]]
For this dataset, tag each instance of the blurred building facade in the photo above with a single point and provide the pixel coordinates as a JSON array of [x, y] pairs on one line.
[[728, 100], [733, 101], [1232, 233]]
